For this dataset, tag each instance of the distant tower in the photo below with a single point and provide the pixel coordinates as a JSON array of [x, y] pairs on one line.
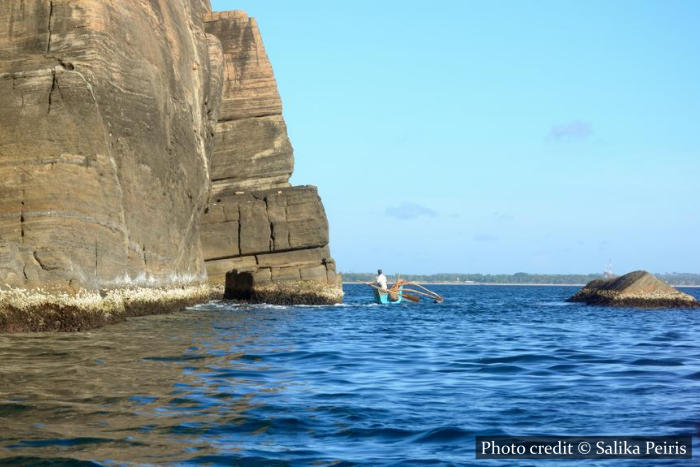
[[609, 270]]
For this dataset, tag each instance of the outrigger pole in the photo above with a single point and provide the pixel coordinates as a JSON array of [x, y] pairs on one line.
[[426, 293]]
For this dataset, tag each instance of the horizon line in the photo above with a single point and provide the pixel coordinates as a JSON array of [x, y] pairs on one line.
[[519, 272]]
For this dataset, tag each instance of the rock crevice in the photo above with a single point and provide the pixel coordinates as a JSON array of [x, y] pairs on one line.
[[49, 28]]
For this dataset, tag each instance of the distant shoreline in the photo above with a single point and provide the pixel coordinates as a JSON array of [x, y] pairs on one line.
[[521, 278], [479, 283], [507, 284]]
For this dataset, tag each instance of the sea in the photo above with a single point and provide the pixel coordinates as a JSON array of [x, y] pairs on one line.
[[352, 384]]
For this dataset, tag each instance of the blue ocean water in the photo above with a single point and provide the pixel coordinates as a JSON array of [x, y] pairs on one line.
[[357, 384]]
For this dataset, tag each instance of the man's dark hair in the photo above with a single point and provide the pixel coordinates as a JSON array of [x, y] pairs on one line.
[[379, 271]]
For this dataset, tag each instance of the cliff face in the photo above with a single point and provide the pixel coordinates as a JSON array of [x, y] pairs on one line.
[[252, 149], [121, 124], [108, 113], [255, 222], [279, 234]]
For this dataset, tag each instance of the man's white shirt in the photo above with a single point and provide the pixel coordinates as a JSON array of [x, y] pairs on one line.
[[381, 281]]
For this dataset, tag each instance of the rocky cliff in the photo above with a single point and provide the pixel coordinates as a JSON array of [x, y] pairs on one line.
[[107, 111], [252, 149], [117, 118], [255, 222]]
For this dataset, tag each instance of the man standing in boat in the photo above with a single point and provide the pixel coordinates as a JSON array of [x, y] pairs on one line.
[[380, 280]]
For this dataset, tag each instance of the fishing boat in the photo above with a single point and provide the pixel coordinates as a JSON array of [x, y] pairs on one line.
[[386, 297], [401, 290]]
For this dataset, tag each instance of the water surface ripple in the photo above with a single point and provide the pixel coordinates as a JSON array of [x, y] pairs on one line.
[[346, 385]]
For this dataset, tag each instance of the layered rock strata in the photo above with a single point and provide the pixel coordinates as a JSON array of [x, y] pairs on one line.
[[636, 289], [278, 234], [252, 150], [255, 223], [110, 115], [108, 112]]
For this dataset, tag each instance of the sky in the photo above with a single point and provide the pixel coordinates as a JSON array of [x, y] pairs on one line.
[[495, 136]]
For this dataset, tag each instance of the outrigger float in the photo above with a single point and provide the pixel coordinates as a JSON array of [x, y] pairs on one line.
[[401, 290]]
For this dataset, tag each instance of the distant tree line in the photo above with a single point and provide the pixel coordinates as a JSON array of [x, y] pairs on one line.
[[675, 278]]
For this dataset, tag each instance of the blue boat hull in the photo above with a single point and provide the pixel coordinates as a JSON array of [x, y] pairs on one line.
[[383, 297]]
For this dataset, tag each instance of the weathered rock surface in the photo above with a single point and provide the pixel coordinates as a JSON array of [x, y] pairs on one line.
[[278, 234], [248, 287], [636, 289], [256, 225], [107, 114], [39, 311], [252, 149], [116, 120]]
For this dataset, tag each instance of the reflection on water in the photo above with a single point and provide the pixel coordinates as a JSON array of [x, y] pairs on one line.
[[128, 391], [356, 383]]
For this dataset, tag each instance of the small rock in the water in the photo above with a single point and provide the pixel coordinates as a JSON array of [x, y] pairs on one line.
[[636, 289]]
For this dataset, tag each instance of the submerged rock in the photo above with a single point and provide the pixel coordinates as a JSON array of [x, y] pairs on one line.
[[636, 289]]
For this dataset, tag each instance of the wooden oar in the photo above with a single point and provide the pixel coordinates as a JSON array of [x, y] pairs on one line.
[[410, 297]]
